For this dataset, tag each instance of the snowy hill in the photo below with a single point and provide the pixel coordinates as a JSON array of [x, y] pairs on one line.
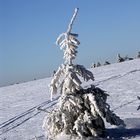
[[20, 119]]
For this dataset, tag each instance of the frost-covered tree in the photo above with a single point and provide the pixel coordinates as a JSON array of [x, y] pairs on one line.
[[67, 75], [80, 112]]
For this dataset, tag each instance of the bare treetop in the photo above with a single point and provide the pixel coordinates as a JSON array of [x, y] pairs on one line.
[[68, 41], [72, 20]]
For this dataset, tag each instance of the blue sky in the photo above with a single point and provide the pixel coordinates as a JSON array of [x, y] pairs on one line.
[[29, 28]]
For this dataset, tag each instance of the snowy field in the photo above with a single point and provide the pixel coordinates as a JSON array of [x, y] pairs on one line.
[[20, 119]]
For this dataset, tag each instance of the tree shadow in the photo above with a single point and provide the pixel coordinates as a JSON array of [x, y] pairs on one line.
[[122, 134]]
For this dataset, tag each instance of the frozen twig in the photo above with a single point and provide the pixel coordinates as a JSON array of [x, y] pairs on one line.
[[72, 20]]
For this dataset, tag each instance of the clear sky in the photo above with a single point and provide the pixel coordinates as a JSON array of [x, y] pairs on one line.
[[29, 28]]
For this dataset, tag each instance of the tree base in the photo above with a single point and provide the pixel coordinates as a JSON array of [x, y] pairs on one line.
[[81, 114]]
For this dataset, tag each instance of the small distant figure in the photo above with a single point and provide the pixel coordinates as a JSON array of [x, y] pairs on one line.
[[138, 55], [120, 59], [93, 65], [107, 63], [98, 64]]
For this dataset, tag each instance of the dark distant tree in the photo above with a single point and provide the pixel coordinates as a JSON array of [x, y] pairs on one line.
[[128, 58], [93, 65], [54, 72], [120, 59], [106, 63], [138, 55], [98, 64]]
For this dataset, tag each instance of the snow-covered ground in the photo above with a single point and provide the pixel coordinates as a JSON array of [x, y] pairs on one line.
[[20, 119]]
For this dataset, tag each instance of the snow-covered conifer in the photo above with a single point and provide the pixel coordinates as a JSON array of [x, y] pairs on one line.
[[80, 111]]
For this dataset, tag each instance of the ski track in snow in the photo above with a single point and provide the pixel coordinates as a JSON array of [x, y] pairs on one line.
[[116, 77], [25, 116]]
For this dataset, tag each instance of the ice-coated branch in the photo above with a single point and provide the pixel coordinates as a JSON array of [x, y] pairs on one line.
[[72, 20]]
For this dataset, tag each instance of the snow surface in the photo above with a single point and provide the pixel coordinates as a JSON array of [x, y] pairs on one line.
[[20, 119]]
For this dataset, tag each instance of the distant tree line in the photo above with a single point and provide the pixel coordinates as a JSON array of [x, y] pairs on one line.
[[119, 60]]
